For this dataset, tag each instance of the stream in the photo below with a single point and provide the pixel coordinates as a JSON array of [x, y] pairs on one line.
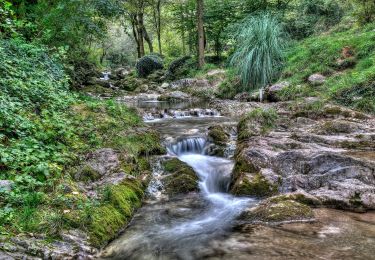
[[204, 225]]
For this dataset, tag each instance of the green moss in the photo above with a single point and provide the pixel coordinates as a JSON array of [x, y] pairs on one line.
[[256, 186], [106, 223], [115, 212], [286, 210], [180, 183], [182, 178], [87, 174], [218, 135], [241, 167], [298, 197], [257, 122]]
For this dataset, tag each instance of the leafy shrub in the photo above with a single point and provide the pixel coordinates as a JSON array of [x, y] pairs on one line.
[[259, 53], [148, 64], [309, 17], [178, 67]]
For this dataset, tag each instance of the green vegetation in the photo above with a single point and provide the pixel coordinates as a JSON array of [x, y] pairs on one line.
[[45, 131], [181, 178], [259, 51], [346, 57], [256, 186], [283, 210], [257, 122], [115, 212]]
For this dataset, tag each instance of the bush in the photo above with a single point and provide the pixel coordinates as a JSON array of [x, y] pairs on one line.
[[148, 64], [178, 67], [259, 51], [310, 17]]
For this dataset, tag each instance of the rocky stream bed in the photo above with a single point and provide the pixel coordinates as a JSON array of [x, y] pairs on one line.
[[229, 188]]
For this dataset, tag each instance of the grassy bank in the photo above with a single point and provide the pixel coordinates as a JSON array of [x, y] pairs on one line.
[[45, 132], [346, 56]]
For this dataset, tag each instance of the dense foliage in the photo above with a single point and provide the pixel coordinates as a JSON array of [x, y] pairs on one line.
[[45, 129]]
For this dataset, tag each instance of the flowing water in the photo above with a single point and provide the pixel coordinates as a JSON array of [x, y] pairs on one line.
[[203, 225]]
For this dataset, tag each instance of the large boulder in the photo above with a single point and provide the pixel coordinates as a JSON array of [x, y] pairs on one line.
[[278, 210], [148, 64], [97, 164], [331, 160], [218, 135], [273, 92]]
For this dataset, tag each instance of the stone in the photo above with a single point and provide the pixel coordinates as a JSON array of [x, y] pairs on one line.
[[272, 92], [165, 85], [174, 96], [278, 210], [189, 82], [243, 97], [122, 72], [6, 185], [181, 178], [98, 163], [316, 79], [218, 135]]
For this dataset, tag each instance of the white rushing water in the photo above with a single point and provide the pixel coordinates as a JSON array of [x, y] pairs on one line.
[[174, 229], [180, 227]]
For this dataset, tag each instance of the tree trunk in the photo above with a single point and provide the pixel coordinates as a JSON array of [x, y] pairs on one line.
[[200, 28], [147, 39], [135, 35], [157, 18], [140, 34]]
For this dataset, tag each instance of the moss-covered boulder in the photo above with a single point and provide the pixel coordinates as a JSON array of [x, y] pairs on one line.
[[148, 64], [278, 211], [254, 185], [181, 177], [218, 135], [116, 210]]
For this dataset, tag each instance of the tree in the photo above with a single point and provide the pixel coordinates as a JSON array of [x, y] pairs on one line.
[[156, 11], [365, 10], [200, 27], [135, 13]]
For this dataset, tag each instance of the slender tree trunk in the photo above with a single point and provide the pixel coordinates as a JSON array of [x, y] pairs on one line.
[[182, 19], [158, 24], [140, 34], [135, 35], [147, 39], [200, 28]]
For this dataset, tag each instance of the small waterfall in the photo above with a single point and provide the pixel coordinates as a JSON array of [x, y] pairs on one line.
[[261, 92], [193, 145], [170, 113], [105, 76]]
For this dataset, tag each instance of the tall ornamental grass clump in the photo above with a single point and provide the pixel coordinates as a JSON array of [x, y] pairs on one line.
[[258, 56]]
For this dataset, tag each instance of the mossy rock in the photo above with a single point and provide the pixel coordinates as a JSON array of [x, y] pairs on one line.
[[181, 178], [281, 211], [87, 174], [301, 197], [116, 210], [217, 135], [256, 186]]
